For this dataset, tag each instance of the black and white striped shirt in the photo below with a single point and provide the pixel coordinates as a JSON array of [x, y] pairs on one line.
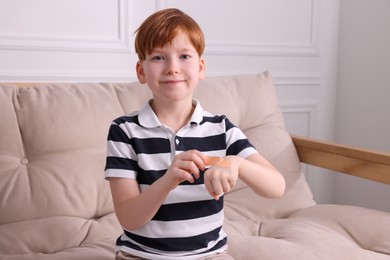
[[188, 224]]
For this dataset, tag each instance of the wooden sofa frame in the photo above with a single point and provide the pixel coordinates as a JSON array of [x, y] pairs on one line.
[[371, 165]]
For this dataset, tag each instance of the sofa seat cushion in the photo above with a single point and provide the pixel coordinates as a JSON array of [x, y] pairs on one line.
[[102, 250], [314, 233], [35, 237], [334, 232], [244, 247]]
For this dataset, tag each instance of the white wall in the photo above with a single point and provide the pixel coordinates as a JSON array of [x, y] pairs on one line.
[[43, 40], [91, 40], [363, 105]]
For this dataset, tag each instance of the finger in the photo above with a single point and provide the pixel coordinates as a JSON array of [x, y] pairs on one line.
[[225, 186], [216, 187], [215, 196], [199, 159], [207, 184], [194, 156], [186, 176], [232, 182], [190, 167]]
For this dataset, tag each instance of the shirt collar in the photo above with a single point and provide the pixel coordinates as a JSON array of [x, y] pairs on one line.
[[147, 117], [197, 116]]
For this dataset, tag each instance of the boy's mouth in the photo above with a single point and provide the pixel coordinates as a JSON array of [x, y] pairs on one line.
[[173, 81]]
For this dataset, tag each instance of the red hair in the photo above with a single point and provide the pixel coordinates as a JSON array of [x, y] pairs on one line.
[[162, 27]]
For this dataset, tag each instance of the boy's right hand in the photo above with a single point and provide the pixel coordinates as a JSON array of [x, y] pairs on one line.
[[185, 167]]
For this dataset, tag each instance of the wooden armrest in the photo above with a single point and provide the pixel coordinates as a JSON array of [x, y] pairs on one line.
[[363, 163]]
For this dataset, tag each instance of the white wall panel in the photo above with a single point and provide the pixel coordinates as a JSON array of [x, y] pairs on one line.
[[66, 25], [298, 101], [266, 27]]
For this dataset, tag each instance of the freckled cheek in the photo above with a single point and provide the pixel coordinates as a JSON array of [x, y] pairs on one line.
[[153, 72]]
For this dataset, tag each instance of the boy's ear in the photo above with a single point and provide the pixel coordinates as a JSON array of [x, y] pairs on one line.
[[140, 72], [202, 68]]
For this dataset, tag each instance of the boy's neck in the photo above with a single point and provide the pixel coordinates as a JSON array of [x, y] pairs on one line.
[[175, 115]]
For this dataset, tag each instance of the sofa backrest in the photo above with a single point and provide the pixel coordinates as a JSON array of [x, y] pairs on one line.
[[53, 144]]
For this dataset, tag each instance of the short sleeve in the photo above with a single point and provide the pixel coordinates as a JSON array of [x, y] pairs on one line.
[[121, 160], [236, 141]]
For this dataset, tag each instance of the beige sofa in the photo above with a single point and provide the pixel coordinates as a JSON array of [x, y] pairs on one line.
[[55, 203]]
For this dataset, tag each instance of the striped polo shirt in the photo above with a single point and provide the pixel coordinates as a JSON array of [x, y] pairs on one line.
[[188, 224]]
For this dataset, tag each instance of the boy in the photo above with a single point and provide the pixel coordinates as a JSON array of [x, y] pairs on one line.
[[169, 205]]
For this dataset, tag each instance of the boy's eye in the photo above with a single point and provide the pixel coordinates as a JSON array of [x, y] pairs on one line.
[[158, 58], [185, 56]]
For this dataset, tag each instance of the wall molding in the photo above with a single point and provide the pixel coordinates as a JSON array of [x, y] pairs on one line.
[[303, 107], [291, 79], [297, 104], [260, 48], [38, 42], [67, 76]]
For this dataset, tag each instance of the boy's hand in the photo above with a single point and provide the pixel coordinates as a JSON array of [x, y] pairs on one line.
[[185, 167], [221, 176]]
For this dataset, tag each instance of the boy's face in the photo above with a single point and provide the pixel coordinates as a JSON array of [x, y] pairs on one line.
[[173, 71]]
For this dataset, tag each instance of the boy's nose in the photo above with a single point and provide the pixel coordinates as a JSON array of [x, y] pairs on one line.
[[172, 67]]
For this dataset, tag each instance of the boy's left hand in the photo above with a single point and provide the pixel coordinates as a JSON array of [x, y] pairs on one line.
[[221, 177]]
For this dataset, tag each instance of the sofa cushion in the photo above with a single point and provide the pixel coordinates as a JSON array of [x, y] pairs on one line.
[[53, 198], [334, 232], [317, 232], [61, 130], [52, 235]]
